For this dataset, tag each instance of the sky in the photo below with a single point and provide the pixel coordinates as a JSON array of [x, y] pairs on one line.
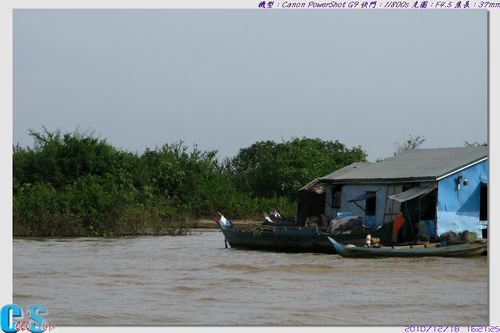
[[225, 79]]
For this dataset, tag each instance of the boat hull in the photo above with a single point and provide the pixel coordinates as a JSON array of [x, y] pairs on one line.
[[303, 240], [461, 250]]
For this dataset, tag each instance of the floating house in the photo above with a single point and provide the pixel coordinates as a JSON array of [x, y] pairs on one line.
[[436, 190]]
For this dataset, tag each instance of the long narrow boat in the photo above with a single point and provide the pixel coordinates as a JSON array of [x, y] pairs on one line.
[[421, 250], [283, 238]]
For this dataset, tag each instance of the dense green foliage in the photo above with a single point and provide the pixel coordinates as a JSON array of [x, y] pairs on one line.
[[75, 184], [268, 169]]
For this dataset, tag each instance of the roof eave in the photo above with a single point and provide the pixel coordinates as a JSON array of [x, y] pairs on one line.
[[381, 180], [461, 168]]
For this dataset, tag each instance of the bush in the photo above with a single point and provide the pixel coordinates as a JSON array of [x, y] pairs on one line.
[[75, 184]]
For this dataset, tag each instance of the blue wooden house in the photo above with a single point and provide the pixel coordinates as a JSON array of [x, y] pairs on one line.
[[436, 190]]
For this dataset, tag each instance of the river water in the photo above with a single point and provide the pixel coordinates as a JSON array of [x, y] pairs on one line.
[[194, 280]]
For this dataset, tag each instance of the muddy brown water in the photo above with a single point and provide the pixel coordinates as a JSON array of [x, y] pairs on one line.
[[194, 280]]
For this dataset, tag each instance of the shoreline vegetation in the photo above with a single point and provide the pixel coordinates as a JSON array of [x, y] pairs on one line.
[[191, 227], [76, 184]]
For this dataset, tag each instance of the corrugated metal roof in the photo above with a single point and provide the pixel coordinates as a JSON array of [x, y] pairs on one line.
[[317, 186], [320, 186], [412, 193], [413, 165]]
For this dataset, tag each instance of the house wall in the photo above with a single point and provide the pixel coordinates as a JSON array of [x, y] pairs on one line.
[[351, 191], [392, 207], [452, 214], [458, 213], [330, 212]]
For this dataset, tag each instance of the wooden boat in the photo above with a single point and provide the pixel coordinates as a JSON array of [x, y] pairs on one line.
[[420, 250], [283, 238]]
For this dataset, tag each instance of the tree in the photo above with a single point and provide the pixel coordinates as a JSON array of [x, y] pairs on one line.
[[268, 169], [410, 143], [475, 144], [75, 184]]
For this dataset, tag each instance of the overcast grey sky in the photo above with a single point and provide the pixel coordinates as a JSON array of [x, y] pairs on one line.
[[225, 79]]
